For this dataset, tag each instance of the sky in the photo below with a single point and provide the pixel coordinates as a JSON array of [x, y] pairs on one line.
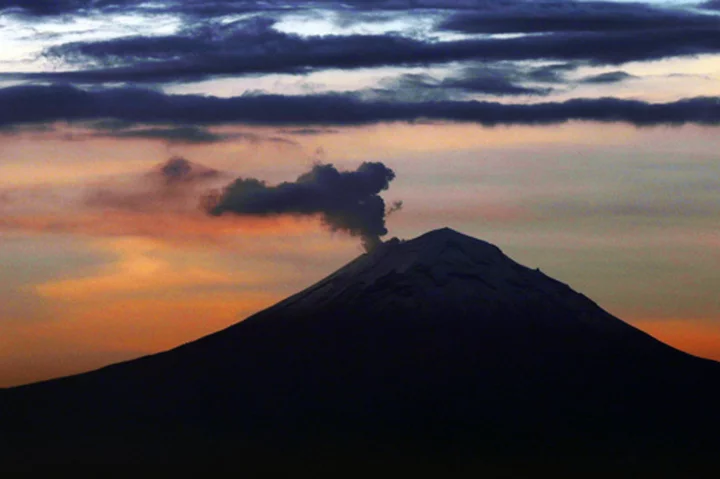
[[170, 167]]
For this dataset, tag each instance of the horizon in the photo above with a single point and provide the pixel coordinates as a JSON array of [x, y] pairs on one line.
[[160, 183]]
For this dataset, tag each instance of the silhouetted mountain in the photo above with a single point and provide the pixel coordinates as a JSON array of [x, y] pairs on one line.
[[438, 351]]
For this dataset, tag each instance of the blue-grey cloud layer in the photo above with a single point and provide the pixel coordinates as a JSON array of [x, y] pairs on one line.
[[608, 77], [566, 34], [256, 47], [208, 45], [569, 16], [43, 104], [520, 8]]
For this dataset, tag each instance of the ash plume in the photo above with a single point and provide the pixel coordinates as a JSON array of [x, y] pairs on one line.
[[346, 201], [172, 185]]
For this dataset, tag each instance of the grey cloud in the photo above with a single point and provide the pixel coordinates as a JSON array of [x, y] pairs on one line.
[[179, 134], [496, 79], [253, 46], [552, 73], [47, 104], [310, 131], [711, 5], [346, 200], [492, 79], [573, 16], [609, 77]]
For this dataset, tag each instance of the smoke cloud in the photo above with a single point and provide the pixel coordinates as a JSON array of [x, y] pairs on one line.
[[347, 201], [173, 185]]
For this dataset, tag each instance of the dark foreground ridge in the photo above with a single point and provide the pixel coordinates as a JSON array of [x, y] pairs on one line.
[[438, 352]]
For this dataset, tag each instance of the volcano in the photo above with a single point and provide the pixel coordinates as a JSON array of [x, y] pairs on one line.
[[438, 351]]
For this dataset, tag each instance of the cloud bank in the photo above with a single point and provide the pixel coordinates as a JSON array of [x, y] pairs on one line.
[[179, 58], [45, 104]]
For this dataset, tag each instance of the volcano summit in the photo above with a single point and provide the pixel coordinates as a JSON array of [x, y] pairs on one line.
[[437, 351]]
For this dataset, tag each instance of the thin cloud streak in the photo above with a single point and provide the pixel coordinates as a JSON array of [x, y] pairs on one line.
[[152, 60]]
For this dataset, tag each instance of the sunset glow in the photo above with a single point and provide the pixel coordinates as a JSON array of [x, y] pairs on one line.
[[599, 165]]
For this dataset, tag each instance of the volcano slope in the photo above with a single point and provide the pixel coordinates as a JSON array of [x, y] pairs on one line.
[[434, 352]]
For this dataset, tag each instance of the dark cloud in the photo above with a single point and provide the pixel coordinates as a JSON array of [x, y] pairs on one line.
[[606, 11], [180, 134], [254, 46], [310, 131], [193, 39], [711, 5], [110, 124], [201, 9], [410, 87], [46, 104], [496, 79], [492, 79], [193, 10], [281, 141], [572, 16], [609, 77], [183, 134], [346, 200], [12, 130], [490, 84], [553, 73], [61, 8], [493, 16], [44, 8], [209, 8]]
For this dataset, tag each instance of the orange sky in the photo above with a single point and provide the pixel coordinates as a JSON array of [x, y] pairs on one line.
[[626, 216]]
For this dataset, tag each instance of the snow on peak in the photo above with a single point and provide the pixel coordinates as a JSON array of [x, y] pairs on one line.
[[442, 263], [447, 275], [442, 242]]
